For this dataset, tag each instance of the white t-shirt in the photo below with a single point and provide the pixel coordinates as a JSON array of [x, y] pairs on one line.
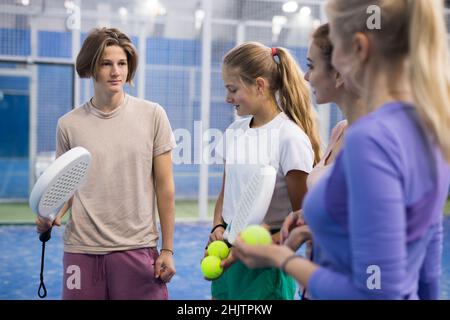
[[280, 143]]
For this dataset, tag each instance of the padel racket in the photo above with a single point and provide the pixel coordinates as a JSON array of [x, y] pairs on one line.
[[54, 188], [254, 201]]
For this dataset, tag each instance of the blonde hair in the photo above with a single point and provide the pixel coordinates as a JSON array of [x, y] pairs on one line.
[[253, 60], [414, 29], [88, 59]]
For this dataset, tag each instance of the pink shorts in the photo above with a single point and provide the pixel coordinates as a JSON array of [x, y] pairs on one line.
[[122, 275]]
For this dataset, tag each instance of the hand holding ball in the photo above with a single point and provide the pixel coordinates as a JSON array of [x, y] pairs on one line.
[[211, 268], [256, 235], [219, 249]]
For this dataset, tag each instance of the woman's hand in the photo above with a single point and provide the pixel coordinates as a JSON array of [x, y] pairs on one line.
[[217, 234], [297, 237], [228, 261], [260, 256], [294, 219]]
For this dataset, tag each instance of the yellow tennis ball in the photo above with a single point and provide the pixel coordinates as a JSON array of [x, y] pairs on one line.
[[211, 268], [219, 249], [256, 235]]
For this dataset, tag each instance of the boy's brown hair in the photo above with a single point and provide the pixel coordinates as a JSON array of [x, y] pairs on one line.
[[91, 52]]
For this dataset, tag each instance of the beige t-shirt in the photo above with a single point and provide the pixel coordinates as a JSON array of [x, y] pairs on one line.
[[115, 208]]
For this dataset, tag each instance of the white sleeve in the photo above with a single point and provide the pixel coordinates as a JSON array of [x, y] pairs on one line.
[[296, 152]]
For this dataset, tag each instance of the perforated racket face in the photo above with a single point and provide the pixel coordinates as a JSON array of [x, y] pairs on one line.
[[63, 187], [254, 202], [59, 182]]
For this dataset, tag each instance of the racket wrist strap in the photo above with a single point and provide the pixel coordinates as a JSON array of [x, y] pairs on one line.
[[42, 291], [217, 226]]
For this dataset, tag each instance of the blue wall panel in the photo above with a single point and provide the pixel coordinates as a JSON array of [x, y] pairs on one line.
[[15, 42], [54, 100], [55, 44]]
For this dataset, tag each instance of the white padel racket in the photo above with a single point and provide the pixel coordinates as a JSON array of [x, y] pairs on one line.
[[54, 188], [253, 203]]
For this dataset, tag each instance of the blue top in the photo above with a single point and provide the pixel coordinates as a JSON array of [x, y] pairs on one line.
[[376, 216]]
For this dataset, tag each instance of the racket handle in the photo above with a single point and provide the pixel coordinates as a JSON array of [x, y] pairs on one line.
[[45, 236]]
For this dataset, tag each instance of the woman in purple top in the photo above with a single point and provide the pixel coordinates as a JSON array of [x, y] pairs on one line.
[[381, 237]]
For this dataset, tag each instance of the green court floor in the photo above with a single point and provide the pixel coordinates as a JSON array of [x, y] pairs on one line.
[[18, 213]]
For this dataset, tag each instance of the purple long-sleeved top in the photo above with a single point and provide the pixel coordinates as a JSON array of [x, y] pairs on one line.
[[378, 212]]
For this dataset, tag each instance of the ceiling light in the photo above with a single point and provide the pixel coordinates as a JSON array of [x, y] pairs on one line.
[[290, 6], [305, 11]]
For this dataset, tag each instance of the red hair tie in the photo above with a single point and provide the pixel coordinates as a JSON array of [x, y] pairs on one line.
[[275, 55], [274, 52]]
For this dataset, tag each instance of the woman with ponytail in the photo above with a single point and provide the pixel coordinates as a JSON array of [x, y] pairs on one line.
[[267, 85], [382, 237]]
